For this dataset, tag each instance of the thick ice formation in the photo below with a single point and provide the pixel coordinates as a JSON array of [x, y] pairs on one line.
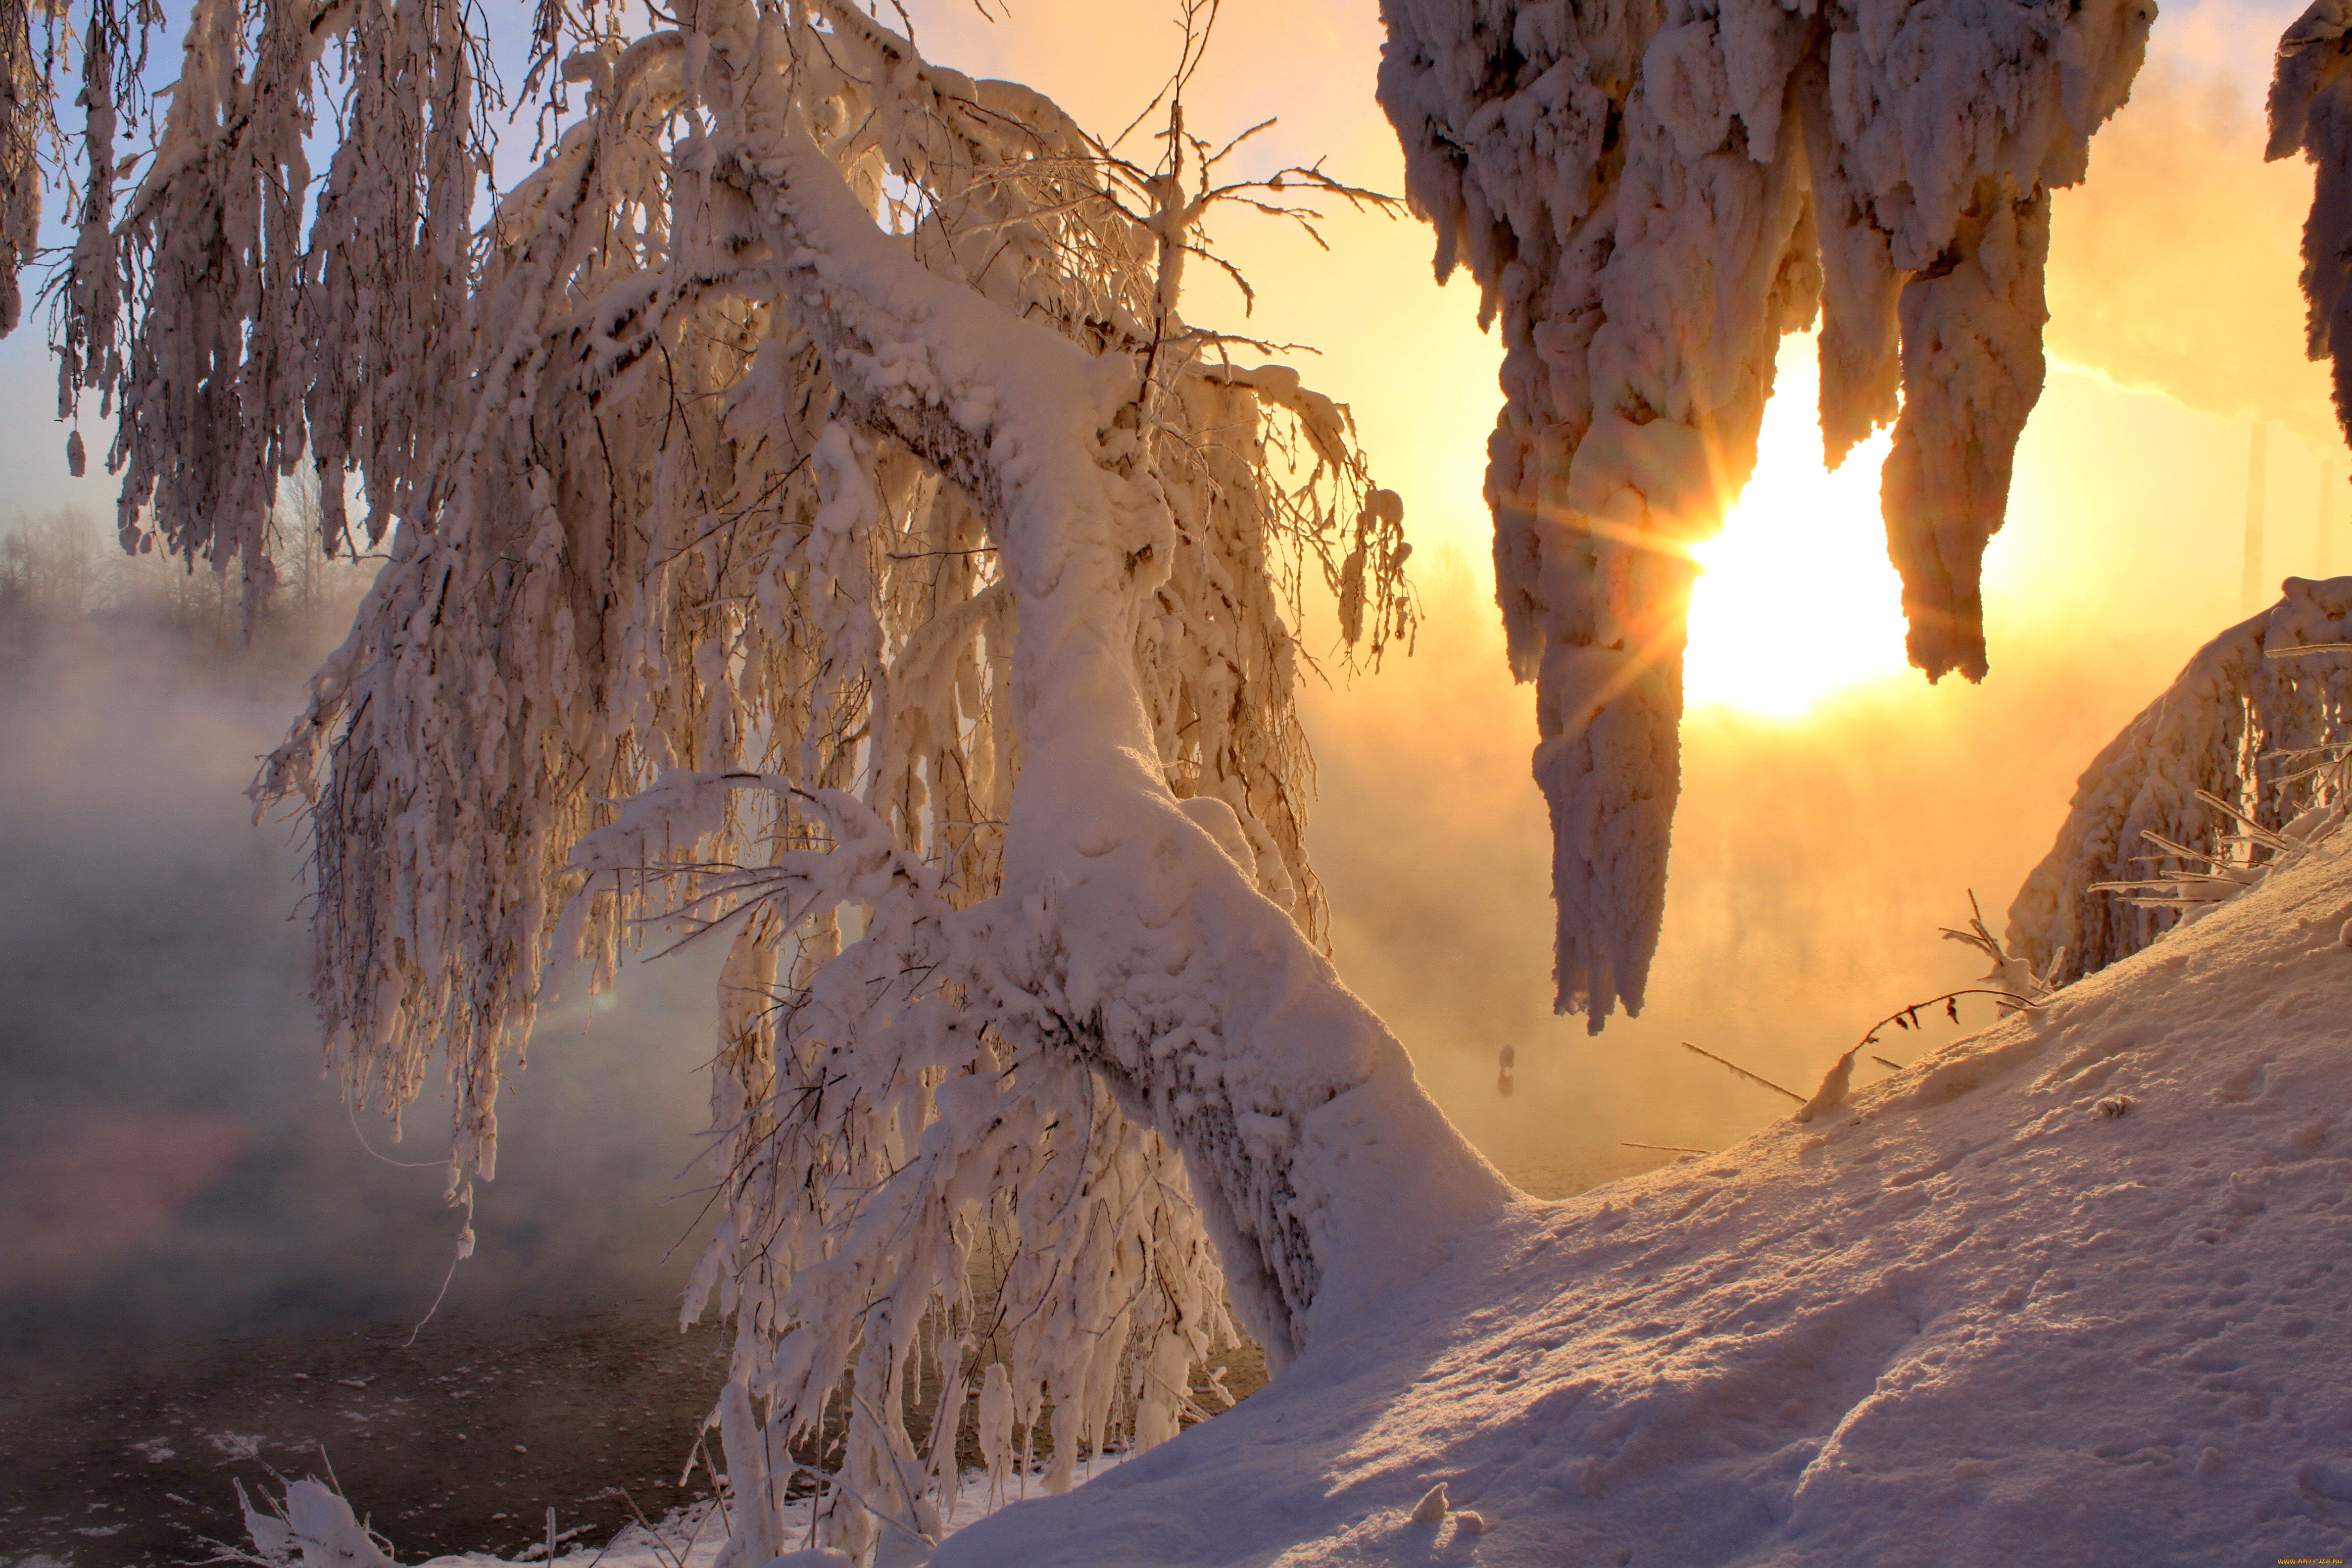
[[1649, 196]]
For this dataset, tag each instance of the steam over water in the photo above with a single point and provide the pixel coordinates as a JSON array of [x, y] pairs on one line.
[[203, 1270], [172, 1164]]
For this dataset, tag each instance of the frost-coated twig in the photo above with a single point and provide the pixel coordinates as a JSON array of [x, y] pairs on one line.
[[1837, 1083], [1737, 1071]]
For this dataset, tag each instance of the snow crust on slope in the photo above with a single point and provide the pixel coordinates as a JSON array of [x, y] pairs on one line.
[[1973, 1319], [1650, 195]]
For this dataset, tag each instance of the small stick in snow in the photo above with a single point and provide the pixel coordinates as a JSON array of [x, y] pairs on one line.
[[1663, 1148], [669, 1559], [1890, 1067], [1738, 1071], [1838, 1083]]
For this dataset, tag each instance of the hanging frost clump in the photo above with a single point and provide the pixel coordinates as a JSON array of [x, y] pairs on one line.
[[1649, 196]]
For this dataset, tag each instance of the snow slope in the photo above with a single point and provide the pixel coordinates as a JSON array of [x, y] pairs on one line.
[[1971, 1319]]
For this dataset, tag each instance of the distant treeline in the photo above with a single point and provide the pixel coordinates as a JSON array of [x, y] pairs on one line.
[[64, 567]]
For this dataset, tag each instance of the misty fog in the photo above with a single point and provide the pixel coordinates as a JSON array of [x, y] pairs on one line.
[[173, 1165]]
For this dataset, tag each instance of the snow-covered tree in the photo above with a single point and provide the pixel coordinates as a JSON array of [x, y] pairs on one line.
[[1649, 195], [2218, 782], [810, 523]]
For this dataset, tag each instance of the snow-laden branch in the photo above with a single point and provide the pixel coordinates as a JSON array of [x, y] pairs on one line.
[[1649, 196], [24, 116], [2311, 113]]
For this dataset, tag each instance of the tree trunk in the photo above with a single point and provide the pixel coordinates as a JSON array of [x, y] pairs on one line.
[[1326, 1175]]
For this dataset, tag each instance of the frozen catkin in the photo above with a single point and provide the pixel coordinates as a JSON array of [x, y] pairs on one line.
[[1649, 196], [810, 527]]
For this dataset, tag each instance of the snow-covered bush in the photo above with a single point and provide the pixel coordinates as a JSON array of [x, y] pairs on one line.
[[2234, 772]]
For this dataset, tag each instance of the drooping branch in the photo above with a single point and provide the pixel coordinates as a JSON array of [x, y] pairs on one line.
[[2311, 113], [1650, 195], [25, 115]]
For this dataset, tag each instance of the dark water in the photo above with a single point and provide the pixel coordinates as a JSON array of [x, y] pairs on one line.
[[188, 1217]]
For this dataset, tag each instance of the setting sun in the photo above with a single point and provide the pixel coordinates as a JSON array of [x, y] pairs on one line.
[[1797, 598]]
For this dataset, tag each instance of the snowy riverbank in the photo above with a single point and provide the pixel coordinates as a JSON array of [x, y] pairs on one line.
[[1978, 1318]]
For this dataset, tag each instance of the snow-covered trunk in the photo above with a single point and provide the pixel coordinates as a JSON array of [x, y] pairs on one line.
[[1146, 951]]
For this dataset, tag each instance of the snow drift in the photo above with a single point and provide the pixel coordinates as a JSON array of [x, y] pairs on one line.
[[2065, 1291]]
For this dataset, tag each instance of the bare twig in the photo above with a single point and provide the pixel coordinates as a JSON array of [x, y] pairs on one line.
[[1738, 1071]]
